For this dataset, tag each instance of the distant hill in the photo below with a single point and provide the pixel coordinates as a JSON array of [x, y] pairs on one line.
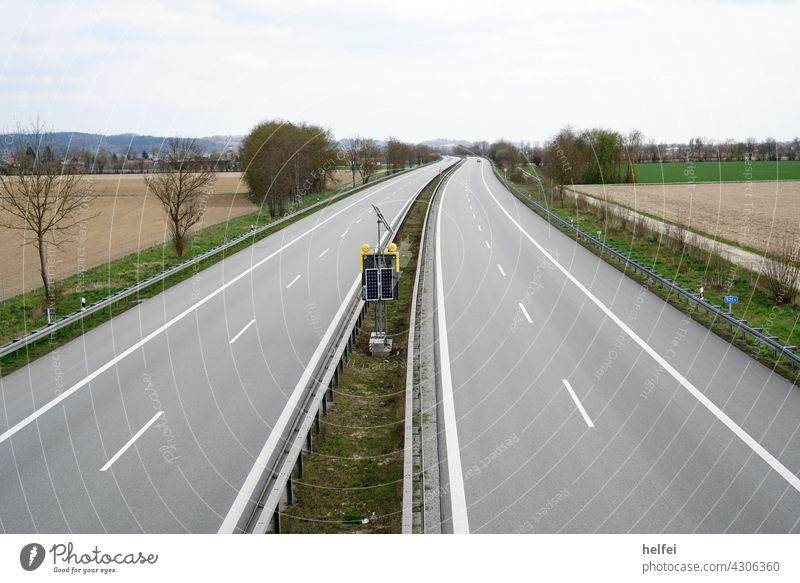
[[121, 143], [445, 143]]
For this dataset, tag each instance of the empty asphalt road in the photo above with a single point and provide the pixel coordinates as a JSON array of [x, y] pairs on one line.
[[574, 400], [152, 421]]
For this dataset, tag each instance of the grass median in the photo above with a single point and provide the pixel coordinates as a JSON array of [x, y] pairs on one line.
[[353, 480]]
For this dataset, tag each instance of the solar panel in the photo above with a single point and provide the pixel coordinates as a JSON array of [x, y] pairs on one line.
[[371, 290], [387, 283]]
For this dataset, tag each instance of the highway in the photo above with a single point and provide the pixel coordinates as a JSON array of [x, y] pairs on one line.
[[152, 422], [574, 400]]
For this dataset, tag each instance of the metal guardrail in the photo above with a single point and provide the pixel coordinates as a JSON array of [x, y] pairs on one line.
[[276, 488], [136, 288], [409, 475], [757, 334]]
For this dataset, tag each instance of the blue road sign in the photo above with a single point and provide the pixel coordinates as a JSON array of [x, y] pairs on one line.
[[731, 299]]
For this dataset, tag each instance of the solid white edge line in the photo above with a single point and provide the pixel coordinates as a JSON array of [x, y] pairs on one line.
[[759, 449], [291, 283], [230, 521], [458, 500], [525, 313], [242, 331], [500, 267], [133, 348], [243, 496], [578, 403], [324, 252], [110, 462]]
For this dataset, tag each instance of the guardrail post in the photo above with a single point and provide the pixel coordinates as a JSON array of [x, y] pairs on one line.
[[276, 521], [300, 465], [309, 443], [290, 490], [316, 421]]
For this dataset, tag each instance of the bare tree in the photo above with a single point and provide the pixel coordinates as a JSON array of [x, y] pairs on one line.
[[781, 274], [181, 184], [365, 153], [42, 196]]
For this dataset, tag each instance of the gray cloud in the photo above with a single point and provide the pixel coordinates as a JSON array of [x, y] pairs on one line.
[[411, 69]]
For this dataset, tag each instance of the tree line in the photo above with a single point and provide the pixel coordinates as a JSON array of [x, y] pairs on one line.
[[284, 162], [598, 155]]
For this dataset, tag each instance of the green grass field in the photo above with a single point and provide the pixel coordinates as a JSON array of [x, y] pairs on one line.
[[685, 172]]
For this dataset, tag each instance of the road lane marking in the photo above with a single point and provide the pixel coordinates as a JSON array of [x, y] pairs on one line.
[[503, 273], [136, 346], [458, 499], [358, 221], [343, 234], [242, 331], [110, 462], [324, 252], [759, 449], [479, 228], [291, 283], [487, 245], [473, 215], [525, 313], [249, 488], [578, 403]]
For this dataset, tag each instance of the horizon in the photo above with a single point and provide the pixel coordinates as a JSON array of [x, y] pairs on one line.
[[212, 71]]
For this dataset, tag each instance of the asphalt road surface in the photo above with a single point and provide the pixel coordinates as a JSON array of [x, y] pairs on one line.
[[152, 421], [576, 401]]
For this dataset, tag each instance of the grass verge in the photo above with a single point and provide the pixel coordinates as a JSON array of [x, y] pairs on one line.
[[355, 472], [690, 267]]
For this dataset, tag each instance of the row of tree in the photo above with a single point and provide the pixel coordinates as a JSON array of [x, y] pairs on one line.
[[579, 157], [86, 161], [284, 162], [633, 148]]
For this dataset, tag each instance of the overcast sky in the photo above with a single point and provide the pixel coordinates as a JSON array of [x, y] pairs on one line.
[[411, 69]]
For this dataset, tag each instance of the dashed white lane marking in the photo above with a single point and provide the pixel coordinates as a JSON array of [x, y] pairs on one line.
[[525, 313], [479, 228], [343, 234], [754, 445], [358, 221], [242, 331], [9, 433], [487, 245], [110, 462], [291, 283], [500, 267], [324, 252], [473, 215], [578, 403]]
